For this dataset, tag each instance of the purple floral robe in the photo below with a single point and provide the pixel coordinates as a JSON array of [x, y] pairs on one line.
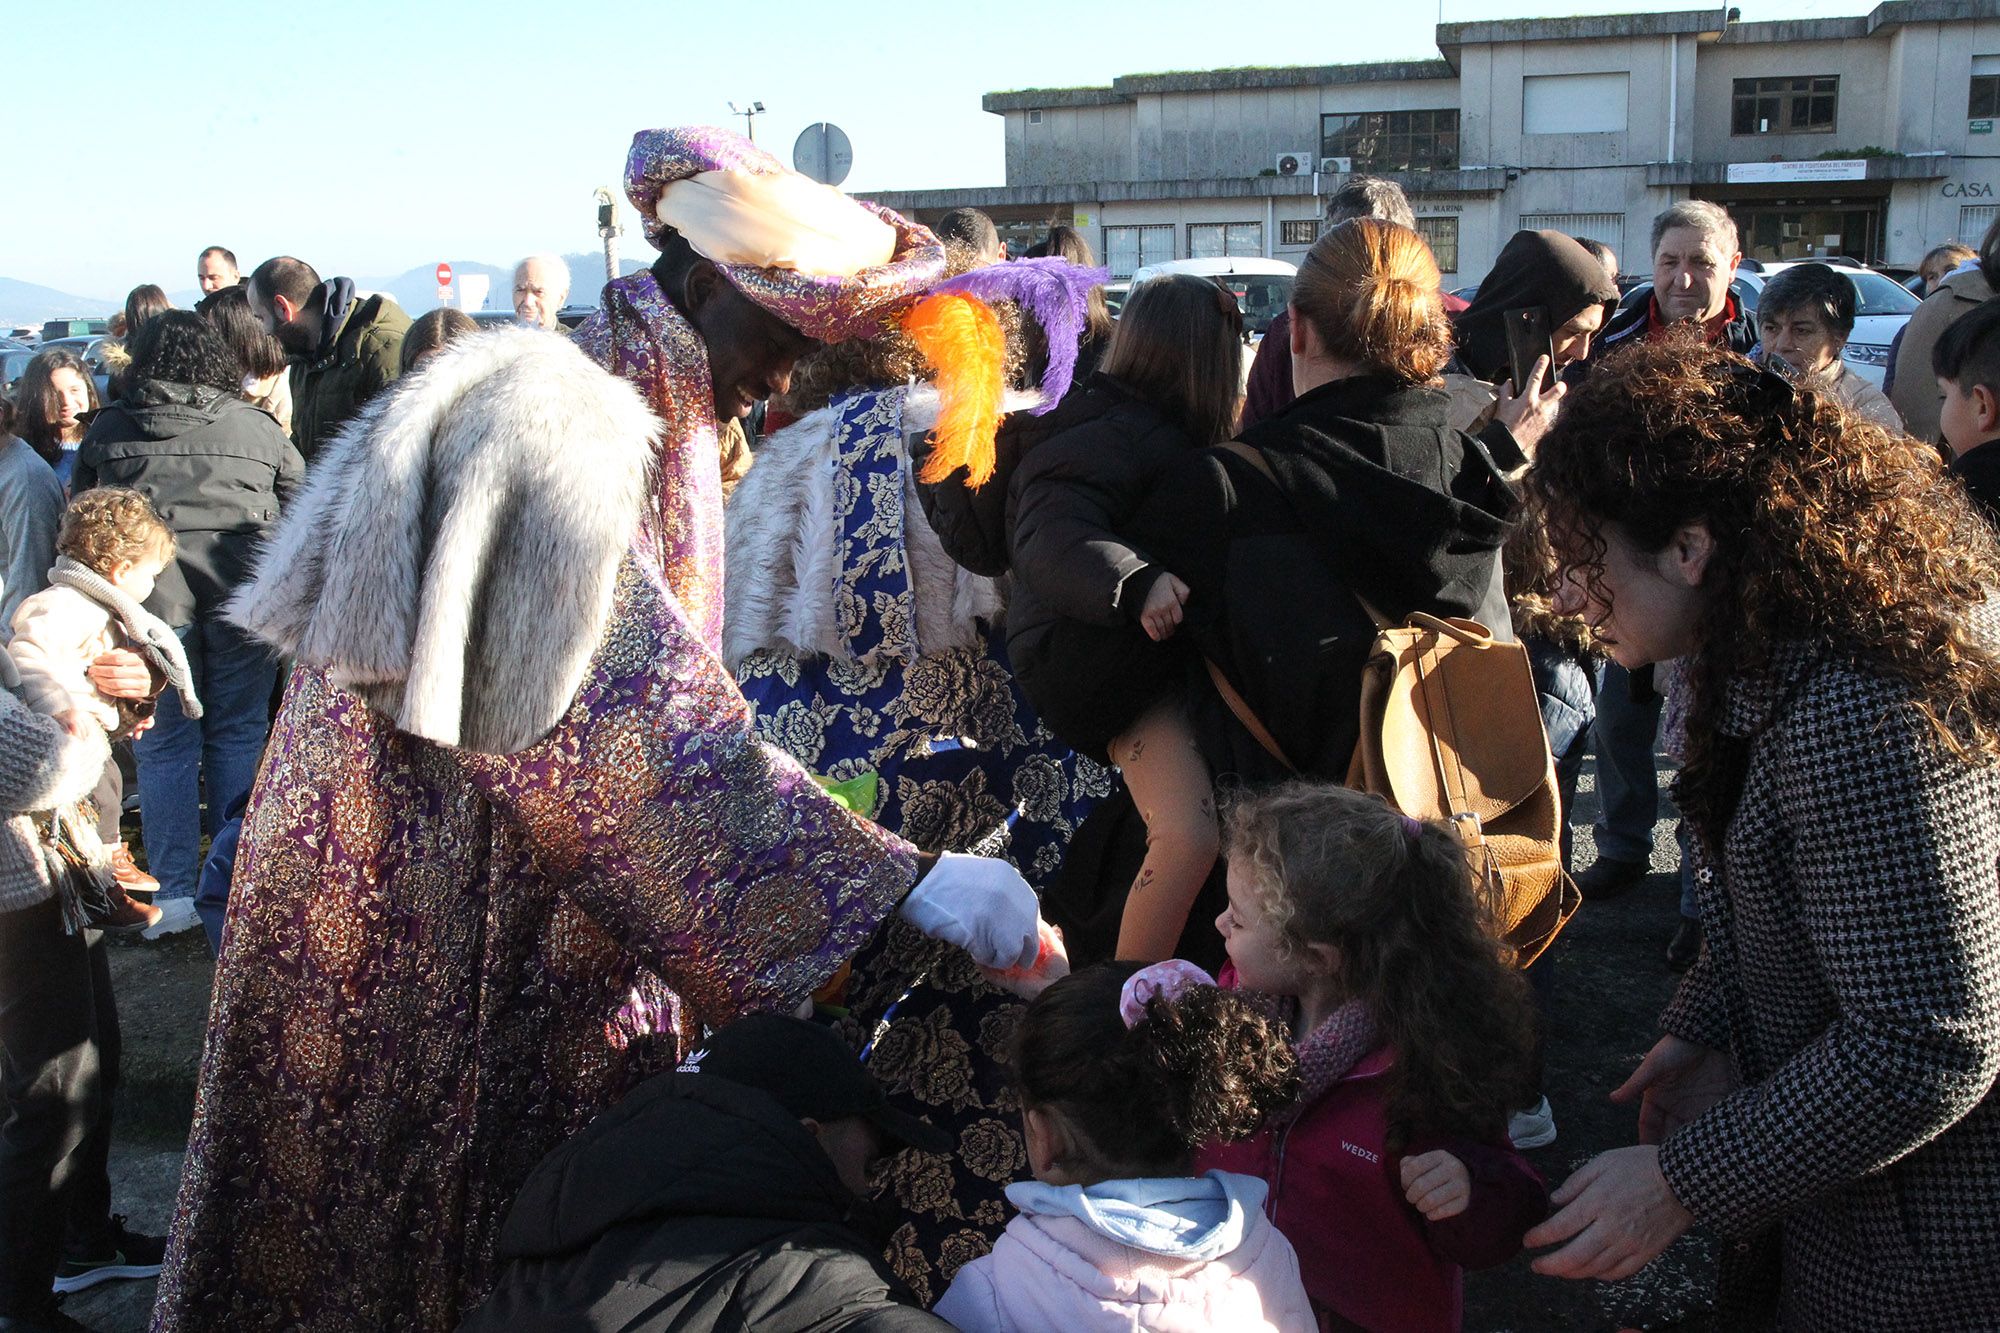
[[439, 964]]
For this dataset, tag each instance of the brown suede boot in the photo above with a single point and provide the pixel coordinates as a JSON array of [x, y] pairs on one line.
[[130, 878], [127, 915]]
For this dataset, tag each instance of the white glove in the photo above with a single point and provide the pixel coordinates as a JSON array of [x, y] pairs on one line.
[[982, 905]]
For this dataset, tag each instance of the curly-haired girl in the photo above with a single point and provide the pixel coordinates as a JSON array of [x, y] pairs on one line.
[[1824, 1096], [1391, 1171], [1122, 1072]]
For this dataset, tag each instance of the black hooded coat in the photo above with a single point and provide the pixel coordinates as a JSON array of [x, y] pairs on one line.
[[694, 1204], [1535, 268], [1371, 495]]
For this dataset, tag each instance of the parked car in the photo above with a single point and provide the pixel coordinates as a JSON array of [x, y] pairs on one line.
[[13, 362], [1262, 287], [1882, 306], [492, 319], [76, 327]]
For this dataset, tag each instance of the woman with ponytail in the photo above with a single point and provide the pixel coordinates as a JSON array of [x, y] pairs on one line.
[[1359, 498], [1122, 1073]]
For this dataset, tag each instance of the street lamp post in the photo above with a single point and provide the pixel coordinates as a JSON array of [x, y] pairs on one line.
[[608, 228], [749, 114]]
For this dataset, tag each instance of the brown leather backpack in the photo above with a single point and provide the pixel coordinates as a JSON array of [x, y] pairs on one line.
[[1451, 729]]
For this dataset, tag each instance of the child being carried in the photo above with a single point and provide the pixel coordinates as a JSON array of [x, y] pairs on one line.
[[111, 548]]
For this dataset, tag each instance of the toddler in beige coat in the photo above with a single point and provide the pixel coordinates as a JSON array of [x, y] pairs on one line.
[[110, 549]]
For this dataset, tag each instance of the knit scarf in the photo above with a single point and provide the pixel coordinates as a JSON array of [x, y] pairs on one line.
[[155, 640], [1329, 1051]]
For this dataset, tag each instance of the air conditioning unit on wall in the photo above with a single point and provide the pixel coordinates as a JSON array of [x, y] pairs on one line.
[[1336, 166], [1294, 164]]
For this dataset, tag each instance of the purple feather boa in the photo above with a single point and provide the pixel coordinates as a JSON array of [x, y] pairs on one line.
[[1052, 290]]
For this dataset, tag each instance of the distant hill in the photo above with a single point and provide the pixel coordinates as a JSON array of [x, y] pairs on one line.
[[414, 289], [27, 303]]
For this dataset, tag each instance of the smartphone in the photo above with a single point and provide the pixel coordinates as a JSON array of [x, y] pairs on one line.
[[1527, 340]]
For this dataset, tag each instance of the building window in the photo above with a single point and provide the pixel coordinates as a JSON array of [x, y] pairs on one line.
[[1983, 103], [1974, 219], [1218, 240], [1129, 249], [1392, 140], [1785, 106], [1441, 234], [1302, 232], [1034, 117]]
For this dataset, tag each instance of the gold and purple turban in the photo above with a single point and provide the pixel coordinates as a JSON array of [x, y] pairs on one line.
[[830, 266]]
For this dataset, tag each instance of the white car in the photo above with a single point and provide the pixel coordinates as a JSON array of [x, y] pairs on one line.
[[1263, 287]]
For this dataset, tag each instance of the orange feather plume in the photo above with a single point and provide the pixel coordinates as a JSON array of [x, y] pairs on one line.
[[967, 350]]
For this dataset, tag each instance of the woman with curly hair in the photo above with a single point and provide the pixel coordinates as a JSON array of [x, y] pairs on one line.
[[218, 470], [1123, 1072], [1823, 1094], [1390, 1170]]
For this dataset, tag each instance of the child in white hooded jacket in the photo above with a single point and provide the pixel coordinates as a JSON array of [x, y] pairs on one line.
[[1123, 1071]]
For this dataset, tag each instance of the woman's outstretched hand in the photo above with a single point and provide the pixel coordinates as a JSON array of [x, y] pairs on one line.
[[1676, 1082], [1617, 1214]]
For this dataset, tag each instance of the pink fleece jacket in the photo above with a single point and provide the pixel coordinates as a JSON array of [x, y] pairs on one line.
[[1367, 1256], [1052, 1269]]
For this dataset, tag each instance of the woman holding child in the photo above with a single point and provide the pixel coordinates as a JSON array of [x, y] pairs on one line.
[[1823, 1095], [1359, 498]]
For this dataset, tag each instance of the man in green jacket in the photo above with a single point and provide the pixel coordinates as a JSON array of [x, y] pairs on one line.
[[344, 349]]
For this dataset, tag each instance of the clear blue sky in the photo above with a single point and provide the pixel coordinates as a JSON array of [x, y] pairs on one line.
[[370, 136]]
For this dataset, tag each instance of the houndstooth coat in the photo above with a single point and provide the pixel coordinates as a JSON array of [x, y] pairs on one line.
[[1852, 971]]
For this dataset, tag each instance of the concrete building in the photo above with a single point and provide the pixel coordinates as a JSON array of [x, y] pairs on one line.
[[1871, 137]]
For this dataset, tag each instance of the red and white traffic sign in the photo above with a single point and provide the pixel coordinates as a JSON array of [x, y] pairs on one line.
[[444, 275]]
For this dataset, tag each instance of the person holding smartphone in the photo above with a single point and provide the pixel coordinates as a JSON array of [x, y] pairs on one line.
[[1546, 296]]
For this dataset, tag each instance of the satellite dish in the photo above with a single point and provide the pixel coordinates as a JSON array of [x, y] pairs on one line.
[[823, 153]]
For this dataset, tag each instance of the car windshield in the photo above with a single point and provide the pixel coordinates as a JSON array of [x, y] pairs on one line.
[[1877, 294], [1262, 296]]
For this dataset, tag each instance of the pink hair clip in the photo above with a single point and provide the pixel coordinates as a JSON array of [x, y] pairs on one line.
[[1163, 981]]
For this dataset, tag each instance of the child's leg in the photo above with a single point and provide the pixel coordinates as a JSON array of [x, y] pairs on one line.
[[1171, 787]]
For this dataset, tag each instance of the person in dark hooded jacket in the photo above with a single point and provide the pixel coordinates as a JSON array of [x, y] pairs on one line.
[[218, 469], [1543, 270], [1360, 490], [727, 1195]]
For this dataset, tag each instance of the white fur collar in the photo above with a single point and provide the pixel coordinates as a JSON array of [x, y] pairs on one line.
[[452, 555], [783, 539]]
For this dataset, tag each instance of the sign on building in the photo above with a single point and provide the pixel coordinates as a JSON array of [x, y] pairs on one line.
[[1792, 173]]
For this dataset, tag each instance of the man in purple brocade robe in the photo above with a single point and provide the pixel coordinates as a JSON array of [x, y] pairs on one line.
[[514, 836]]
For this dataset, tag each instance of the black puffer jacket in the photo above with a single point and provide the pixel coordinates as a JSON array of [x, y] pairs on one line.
[[217, 469], [1374, 494], [1073, 631], [694, 1204]]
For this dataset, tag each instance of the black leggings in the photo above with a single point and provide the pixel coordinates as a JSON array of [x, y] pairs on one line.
[[59, 1067]]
